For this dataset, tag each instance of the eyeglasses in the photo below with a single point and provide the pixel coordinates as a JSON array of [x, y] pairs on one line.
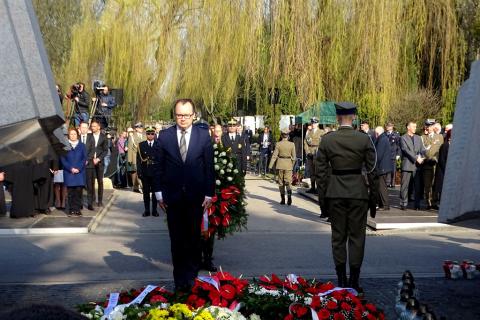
[[184, 116], [150, 133]]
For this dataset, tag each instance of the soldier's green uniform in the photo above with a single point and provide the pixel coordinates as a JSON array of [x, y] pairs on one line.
[[310, 146], [345, 196], [432, 143], [284, 156]]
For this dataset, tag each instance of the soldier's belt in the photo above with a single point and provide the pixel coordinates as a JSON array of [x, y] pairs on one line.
[[285, 157], [346, 172], [313, 145]]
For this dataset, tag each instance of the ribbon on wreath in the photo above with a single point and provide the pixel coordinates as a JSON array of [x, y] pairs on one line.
[[112, 303]]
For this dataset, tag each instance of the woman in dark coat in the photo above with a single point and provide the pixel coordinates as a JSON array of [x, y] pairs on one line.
[[74, 172], [442, 164]]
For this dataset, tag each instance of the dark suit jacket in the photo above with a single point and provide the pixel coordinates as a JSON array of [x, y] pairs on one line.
[[410, 151], [239, 149], [146, 165], [270, 139], [384, 153], [101, 149], [195, 178]]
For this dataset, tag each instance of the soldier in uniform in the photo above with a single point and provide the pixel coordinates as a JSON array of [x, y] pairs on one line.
[[237, 145], [311, 143], [285, 157], [145, 169], [133, 142], [345, 197], [394, 139], [432, 143]]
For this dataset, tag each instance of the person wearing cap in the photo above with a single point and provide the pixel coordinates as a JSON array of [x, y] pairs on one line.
[[394, 139], [413, 155], [284, 158], [432, 143], [365, 127], [133, 142], [231, 140], [265, 140], [311, 143], [146, 166], [344, 194]]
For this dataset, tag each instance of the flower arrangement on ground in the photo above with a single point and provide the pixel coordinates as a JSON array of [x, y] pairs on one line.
[[227, 213], [221, 296]]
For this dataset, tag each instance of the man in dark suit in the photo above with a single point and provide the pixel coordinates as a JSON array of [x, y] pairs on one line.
[[184, 184], [384, 166], [146, 170], [394, 139], [345, 195], [265, 141], [237, 145], [413, 155], [97, 149], [249, 134]]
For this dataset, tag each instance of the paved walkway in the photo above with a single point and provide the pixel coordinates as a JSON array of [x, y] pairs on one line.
[[128, 250]]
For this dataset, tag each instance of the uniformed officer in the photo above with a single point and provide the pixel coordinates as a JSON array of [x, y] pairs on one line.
[[145, 170], [236, 144], [285, 158], [345, 196], [394, 139], [311, 143], [432, 143]]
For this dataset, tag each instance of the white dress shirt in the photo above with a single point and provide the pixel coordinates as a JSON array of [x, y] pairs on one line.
[[96, 136]]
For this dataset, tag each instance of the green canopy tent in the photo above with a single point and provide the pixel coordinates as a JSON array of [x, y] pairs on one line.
[[324, 111]]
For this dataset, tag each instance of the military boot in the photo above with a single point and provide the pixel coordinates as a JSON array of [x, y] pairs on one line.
[[354, 280], [289, 200], [342, 275]]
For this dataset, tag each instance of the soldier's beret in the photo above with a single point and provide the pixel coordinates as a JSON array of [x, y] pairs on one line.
[[345, 108]]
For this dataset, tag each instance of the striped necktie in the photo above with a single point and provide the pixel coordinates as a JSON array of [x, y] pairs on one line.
[[183, 146]]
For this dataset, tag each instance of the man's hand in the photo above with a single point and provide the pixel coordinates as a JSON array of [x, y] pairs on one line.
[[77, 99], [162, 205], [94, 99], [420, 160], [2, 176], [96, 161], [104, 104], [207, 203]]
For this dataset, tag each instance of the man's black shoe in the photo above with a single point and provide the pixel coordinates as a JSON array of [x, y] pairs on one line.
[[417, 208], [90, 207], [146, 214], [311, 191], [209, 266], [155, 214], [403, 208], [435, 207]]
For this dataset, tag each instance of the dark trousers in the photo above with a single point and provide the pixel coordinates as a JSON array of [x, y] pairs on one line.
[[348, 219], [415, 178], [74, 198], [383, 191], [92, 174], [3, 206], [184, 222], [207, 248], [263, 161], [147, 183], [391, 175]]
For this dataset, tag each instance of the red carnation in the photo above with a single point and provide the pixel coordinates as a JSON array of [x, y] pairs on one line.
[[331, 305], [345, 306], [338, 316], [316, 302], [158, 298], [370, 307], [323, 314], [371, 317], [288, 317]]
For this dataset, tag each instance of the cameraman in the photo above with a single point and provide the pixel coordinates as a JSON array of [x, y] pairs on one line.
[[106, 103], [82, 100]]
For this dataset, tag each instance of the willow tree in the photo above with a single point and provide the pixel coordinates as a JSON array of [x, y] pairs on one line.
[[131, 45]]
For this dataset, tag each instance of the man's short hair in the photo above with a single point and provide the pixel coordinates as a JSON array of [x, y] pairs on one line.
[[408, 123], [95, 121], [182, 102]]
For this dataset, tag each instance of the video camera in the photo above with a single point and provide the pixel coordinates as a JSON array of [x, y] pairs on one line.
[[98, 86], [74, 91]]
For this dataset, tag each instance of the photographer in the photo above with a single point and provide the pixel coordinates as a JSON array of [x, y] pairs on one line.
[[105, 105], [80, 103]]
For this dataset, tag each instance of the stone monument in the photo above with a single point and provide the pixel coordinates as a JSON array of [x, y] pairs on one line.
[[31, 116], [461, 187]]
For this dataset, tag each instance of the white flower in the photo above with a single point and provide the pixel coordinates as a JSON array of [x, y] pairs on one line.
[[215, 153], [223, 154], [224, 161], [235, 171], [254, 316], [229, 178], [230, 165], [229, 170], [218, 182], [222, 171], [215, 159], [217, 167], [215, 146]]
